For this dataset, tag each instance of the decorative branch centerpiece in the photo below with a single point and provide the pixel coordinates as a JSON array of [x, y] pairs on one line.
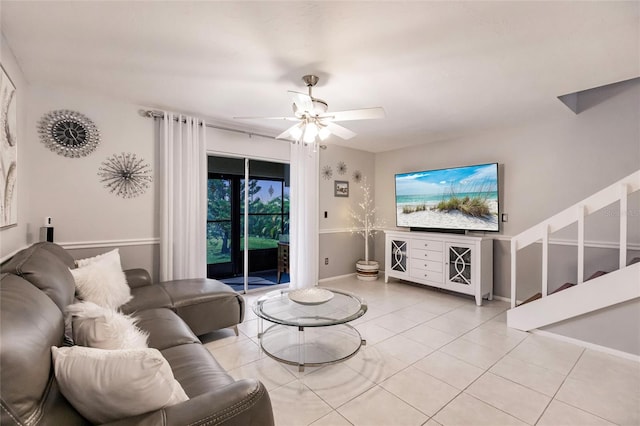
[[367, 225]]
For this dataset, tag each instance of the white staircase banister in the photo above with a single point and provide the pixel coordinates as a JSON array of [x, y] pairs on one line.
[[615, 192], [597, 201]]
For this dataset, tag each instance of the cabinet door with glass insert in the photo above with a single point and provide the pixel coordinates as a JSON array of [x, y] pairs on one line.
[[398, 252], [459, 268]]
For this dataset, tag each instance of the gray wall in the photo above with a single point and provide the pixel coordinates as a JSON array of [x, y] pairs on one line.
[[337, 243], [617, 328]]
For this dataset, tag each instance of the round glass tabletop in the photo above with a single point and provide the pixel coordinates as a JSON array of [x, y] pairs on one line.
[[277, 307]]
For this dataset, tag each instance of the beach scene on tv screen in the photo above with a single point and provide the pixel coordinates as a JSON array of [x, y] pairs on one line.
[[458, 198]]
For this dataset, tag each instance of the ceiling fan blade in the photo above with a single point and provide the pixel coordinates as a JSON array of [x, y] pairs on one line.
[[268, 118], [355, 114], [302, 101], [341, 132]]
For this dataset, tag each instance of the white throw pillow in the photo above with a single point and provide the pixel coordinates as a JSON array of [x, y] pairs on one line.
[[102, 282], [107, 385], [104, 328], [114, 255]]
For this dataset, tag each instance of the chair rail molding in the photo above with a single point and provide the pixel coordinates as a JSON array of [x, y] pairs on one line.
[[110, 243]]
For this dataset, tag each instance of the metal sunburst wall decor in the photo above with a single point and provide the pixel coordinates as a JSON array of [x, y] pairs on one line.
[[68, 133], [125, 175], [341, 168], [327, 172], [357, 176]]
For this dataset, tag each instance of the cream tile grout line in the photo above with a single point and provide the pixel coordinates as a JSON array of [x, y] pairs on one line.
[[584, 350], [560, 387], [478, 378]]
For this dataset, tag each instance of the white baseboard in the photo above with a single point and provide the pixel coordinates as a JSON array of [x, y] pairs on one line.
[[507, 299], [337, 277], [588, 345]]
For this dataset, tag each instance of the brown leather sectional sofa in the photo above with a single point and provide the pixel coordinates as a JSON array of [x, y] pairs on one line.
[[36, 286]]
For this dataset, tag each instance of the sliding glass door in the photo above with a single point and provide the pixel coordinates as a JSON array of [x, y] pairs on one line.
[[264, 205]]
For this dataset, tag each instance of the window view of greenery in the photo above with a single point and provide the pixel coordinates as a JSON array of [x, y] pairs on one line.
[[268, 216], [219, 221]]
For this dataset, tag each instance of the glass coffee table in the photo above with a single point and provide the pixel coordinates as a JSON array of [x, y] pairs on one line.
[[309, 326]]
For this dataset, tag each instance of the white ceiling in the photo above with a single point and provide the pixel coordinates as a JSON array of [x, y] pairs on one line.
[[439, 69]]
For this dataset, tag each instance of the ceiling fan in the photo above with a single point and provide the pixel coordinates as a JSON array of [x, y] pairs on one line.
[[313, 120]]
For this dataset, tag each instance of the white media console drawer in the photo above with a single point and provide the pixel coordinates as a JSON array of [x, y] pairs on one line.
[[426, 254], [434, 278], [427, 265], [453, 262], [427, 245]]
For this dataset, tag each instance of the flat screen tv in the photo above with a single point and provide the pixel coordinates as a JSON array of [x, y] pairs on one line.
[[457, 199]]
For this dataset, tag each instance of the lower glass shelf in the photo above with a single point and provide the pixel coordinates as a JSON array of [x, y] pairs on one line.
[[311, 346]]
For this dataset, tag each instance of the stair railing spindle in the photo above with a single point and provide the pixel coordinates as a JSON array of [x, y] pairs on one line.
[[545, 259], [581, 216], [514, 251], [624, 192]]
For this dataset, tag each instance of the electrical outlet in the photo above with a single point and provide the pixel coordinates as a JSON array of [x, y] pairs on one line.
[[505, 217], [325, 215], [326, 260]]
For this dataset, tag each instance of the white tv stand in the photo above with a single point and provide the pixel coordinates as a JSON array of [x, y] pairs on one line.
[[459, 263]]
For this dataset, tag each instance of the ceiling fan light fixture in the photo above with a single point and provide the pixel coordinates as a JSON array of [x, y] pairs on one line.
[[324, 132], [310, 132], [296, 131], [314, 122]]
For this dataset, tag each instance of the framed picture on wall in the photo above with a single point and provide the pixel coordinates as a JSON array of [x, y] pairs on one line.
[[341, 188], [8, 152]]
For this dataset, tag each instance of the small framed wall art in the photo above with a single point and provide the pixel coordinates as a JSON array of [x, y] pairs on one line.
[[341, 188]]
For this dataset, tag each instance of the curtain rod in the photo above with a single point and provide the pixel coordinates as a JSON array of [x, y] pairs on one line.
[[149, 113], [159, 114]]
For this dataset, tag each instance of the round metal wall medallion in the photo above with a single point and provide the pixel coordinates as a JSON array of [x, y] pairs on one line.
[[68, 133]]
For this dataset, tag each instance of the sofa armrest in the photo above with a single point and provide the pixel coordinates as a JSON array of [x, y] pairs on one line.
[[137, 277], [242, 403]]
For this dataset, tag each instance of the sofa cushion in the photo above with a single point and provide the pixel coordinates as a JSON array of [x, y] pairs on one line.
[[30, 323], [137, 277], [61, 253], [102, 282], [165, 328], [44, 269], [205, 304], [107, 385], [196, 369], [146, 297], [104, 328]]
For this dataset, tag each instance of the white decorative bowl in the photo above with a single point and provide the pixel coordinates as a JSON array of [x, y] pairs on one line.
[[310, 296]]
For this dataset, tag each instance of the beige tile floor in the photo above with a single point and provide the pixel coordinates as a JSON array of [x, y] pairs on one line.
[[434, 358]]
